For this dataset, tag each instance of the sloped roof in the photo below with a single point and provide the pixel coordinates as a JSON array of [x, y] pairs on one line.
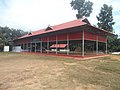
[[63, 26], [74, 23], [58, 46]]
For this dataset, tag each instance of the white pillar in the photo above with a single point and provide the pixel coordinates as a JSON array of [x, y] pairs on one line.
[[30, 46], [35, 46], [27, 46], [48, 45], [83, 54], [106, 45], [23, 46], [67, 43], [56, 43], [97, 45], [41, 46]]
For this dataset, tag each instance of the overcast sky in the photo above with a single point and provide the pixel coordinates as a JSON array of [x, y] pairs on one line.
[[37, 14]]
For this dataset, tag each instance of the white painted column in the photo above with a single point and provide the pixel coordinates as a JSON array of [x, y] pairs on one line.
[[27, 46], [23, 46], [83, 54], [48, 44], [97, 45], [35, 46], [30, 46], [56, 44], [106, 45], [41, 46], [67, 43]]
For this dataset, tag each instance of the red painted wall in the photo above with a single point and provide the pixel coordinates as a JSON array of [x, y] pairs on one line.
[[72, 36], [62, 36], [93, 37], [23, 41], [44, 39], [75, 36], [90, 36], [52, 38], [102, 38]]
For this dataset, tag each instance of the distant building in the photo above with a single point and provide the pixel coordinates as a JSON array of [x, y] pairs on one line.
[[76, 37]]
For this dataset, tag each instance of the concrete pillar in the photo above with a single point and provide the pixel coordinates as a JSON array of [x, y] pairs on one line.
[[106, 45], [23, 46], [41, 46], [68, 43], [35, 47], [48, 44], [27, 46], [83, 54], [97, 45], [56, 44], [30, 46]]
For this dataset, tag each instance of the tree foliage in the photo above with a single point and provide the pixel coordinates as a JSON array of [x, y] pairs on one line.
[[83, 7], [114, 44], [105, 18], [7, 35]]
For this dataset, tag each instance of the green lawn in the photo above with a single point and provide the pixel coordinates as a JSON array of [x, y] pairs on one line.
[[41, 72]]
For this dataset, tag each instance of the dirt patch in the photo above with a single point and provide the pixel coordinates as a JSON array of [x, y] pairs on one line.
[[89, 87], [34, 72], [70, 63], [116, 57]]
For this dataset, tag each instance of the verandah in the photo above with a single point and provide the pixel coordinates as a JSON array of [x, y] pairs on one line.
[[79, 46]]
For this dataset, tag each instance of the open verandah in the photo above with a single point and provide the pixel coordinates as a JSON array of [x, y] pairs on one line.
[[80, 47]]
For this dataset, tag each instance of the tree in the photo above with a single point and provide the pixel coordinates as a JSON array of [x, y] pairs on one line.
[[105, 18], [1, 41], [83, 7], [7, 35], [114, 44]]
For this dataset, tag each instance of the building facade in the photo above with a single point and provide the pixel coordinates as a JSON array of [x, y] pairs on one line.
[[76, 37]]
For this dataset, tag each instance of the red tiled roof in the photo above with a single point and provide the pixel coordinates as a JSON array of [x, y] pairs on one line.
[[74, 23], [63, 26], [58, 46]]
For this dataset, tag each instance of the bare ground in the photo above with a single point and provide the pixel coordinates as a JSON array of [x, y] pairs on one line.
[[35, 72]]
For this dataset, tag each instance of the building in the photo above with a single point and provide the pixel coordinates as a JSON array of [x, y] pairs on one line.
[[76, 37]]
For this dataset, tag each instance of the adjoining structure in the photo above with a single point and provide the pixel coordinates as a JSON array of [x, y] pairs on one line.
[[76, 37]]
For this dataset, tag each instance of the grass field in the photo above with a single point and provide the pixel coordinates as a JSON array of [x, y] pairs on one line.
[[40, 72]]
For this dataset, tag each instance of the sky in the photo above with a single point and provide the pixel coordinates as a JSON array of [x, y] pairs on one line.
[[32, 15]]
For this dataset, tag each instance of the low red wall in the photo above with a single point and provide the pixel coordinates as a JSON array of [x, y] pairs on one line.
[[71, 36], [102, 38], [93, 37], [90, 36], [75, 36]]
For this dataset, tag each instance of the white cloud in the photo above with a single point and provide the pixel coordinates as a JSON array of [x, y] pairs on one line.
[[37, 14]]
